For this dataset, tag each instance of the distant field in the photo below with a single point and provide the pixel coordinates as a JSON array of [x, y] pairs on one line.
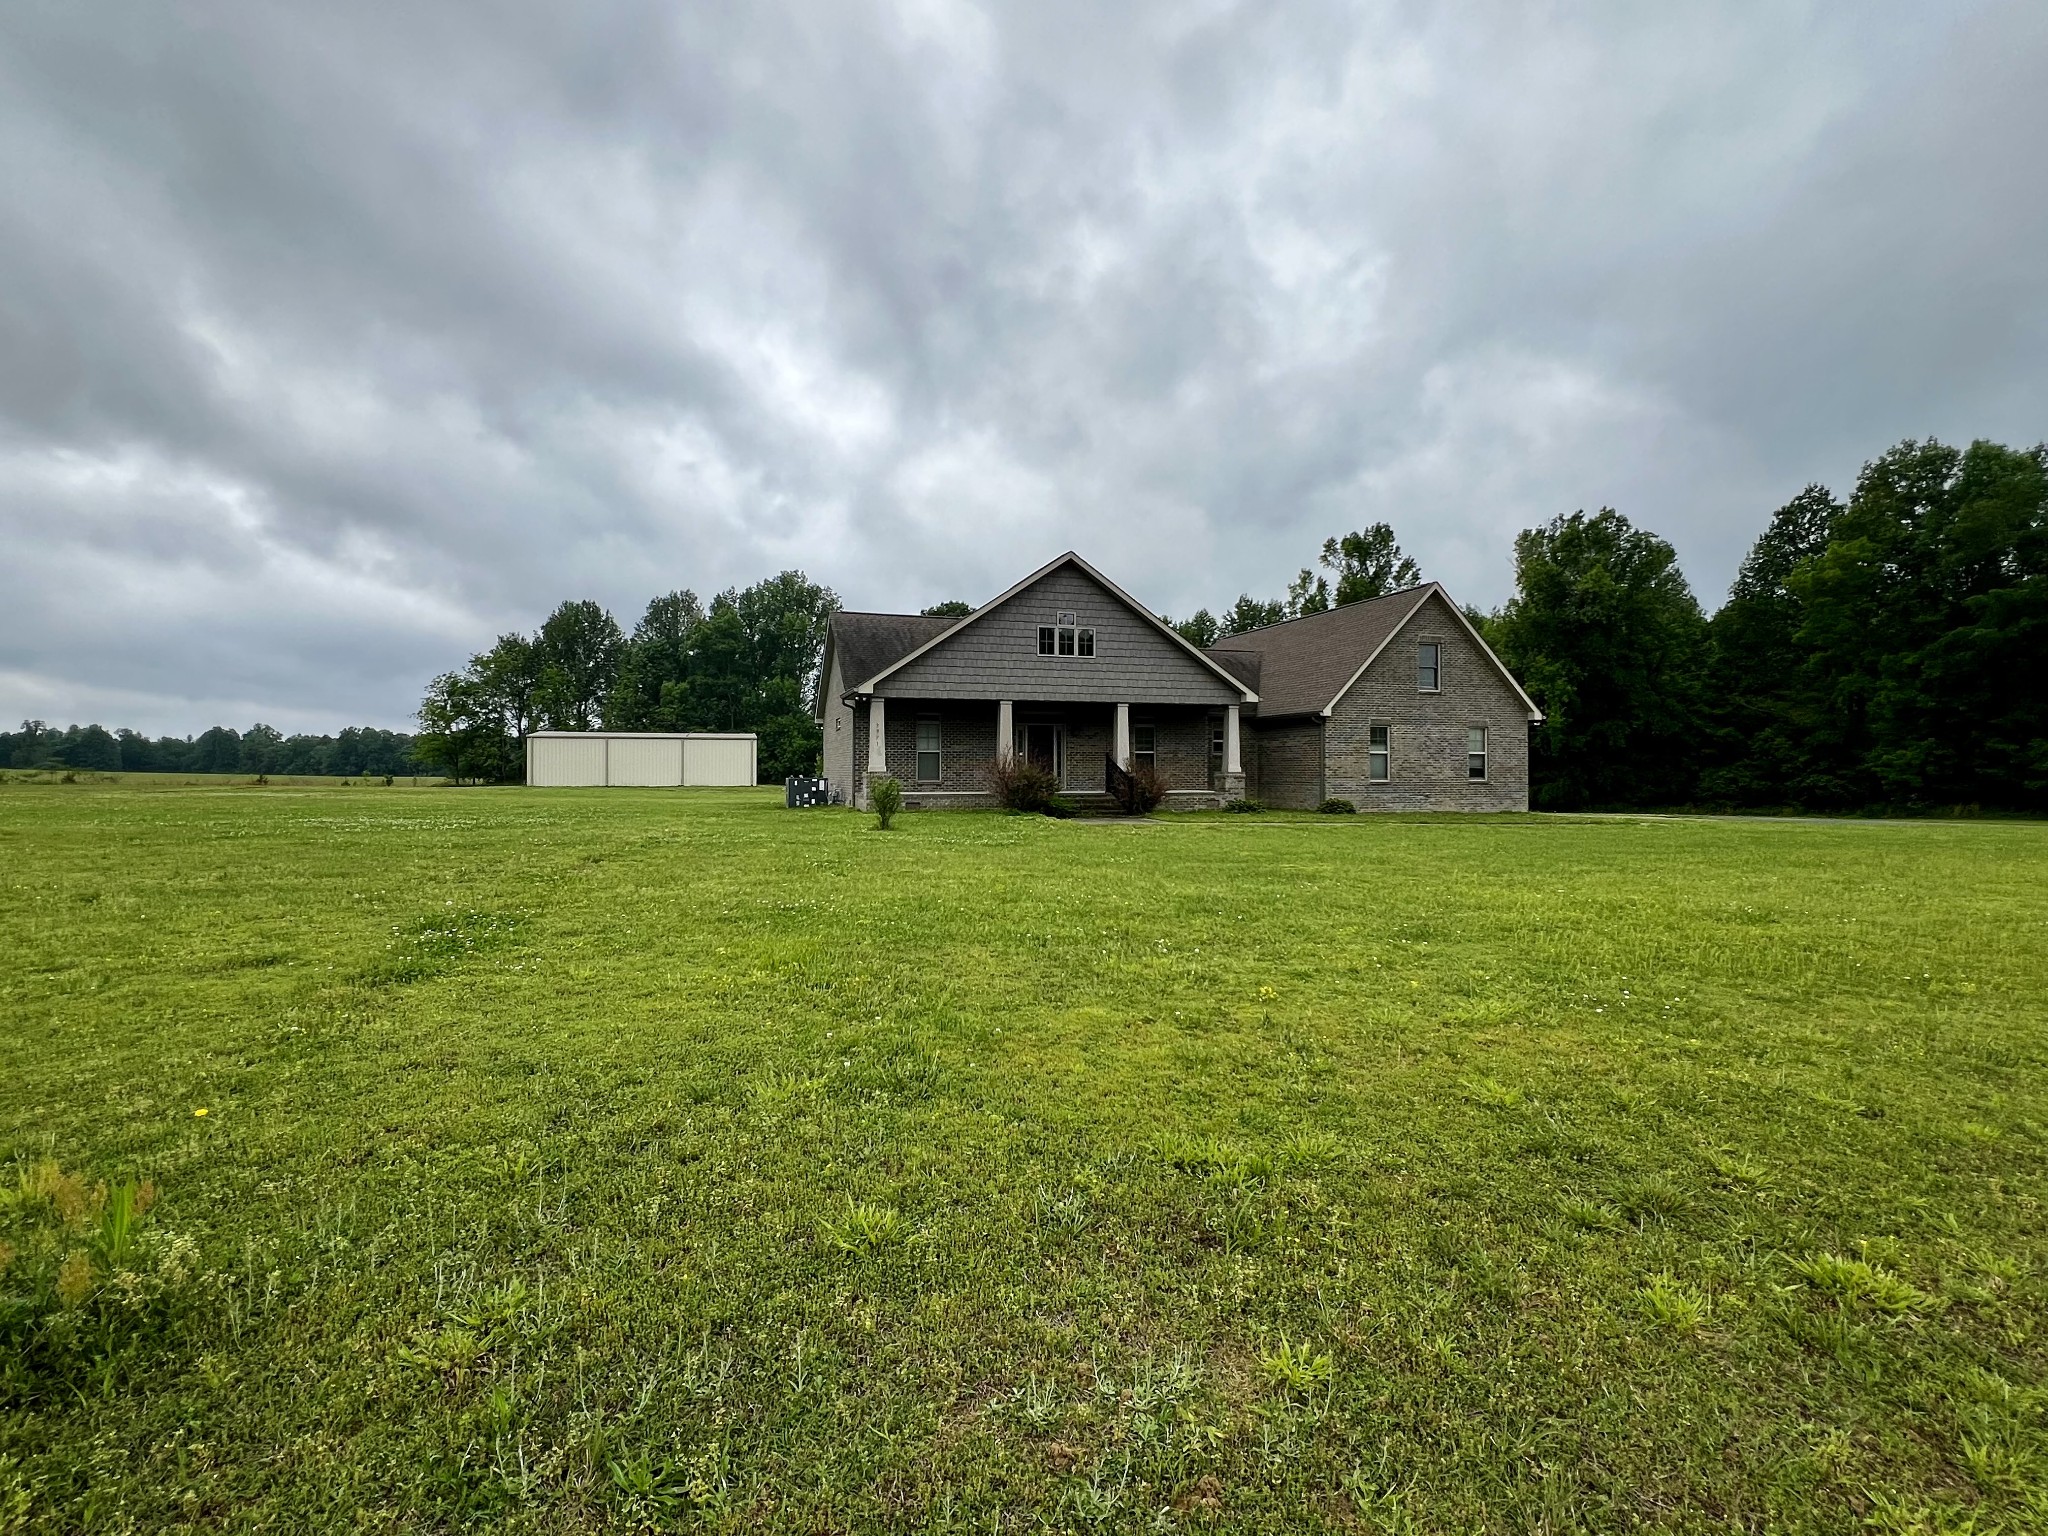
[[647, 1160], [95, 778]]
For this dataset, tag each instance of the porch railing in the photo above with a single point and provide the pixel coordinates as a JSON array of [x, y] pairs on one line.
[[1121, 786]]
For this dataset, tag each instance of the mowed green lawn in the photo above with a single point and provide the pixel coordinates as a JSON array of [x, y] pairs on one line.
[[636, 1160]]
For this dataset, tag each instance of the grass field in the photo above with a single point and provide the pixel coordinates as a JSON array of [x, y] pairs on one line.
[[618, 1160]]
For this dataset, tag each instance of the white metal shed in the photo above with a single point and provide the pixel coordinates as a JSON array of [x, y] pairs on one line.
[[560, 759]]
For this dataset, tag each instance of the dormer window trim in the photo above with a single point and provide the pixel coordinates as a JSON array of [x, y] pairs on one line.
[[1067, 637]]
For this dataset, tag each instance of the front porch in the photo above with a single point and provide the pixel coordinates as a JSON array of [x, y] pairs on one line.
[[942, 750]]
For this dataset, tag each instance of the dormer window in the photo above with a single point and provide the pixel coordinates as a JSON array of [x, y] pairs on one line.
[[1066, 636]]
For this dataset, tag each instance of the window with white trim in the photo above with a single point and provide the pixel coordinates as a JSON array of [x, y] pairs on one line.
[[1066, 636], [1144, 745], [928, 749], [1475, 752], [1379, 753], [1429, 667]]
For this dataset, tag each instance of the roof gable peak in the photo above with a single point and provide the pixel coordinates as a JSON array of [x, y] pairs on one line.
[[1070, 557]]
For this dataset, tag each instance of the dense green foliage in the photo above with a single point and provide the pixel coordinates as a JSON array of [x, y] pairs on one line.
[[1883, 652], [359, 751], [625, 1160], [1604, 633], [748, 663]]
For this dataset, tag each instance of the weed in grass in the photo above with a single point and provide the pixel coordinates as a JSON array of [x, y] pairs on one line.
[[1239, 1221], [1065, 1212], [1155, 1384], [1296, 1369], [1653, 1198], [901, 1073], [1740, 1171], [431, 946], [1853, 1280], [1036, 1403], [863, 1228], [1309, 1150], [1195, 1154], [1592, 1215], [1496, 1095], [1671, 1306]]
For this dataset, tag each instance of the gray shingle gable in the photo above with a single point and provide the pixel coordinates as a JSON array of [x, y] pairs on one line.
[[996, 656]]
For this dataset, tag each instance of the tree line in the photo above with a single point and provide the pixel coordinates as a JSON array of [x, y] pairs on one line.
[[358, 752], [747, 662], [1887, 652]]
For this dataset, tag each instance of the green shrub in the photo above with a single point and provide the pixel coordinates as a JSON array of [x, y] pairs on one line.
[[1141, 791], [1336, 807], [1026, 787], [886, 795], [1243, 807]]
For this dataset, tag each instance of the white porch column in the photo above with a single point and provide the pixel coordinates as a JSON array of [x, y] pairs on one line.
[[1006, 731], [1123, 737], [878, 737], [1231, 761]]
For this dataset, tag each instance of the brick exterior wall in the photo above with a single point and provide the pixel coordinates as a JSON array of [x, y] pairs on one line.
[[967, 745], [1181, 747], [1427, 741], [1284, 765]]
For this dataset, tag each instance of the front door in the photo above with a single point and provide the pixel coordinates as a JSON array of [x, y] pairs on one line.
[[1044, 746]]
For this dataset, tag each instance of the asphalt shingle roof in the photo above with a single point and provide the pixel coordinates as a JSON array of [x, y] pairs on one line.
[[867, 642], [1300, 665]]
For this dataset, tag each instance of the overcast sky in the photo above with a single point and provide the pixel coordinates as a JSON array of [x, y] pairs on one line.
[[337, 339]]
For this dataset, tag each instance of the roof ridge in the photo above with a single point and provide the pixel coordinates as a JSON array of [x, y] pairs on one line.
[[1323, 613]]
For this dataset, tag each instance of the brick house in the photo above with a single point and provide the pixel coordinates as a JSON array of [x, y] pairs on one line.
[[1394, 704]]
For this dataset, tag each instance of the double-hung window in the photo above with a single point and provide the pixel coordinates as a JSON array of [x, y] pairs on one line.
[[1475, 752], [1066, 629], [1144, 745], [1429, 669], [928, 749], [1379, 753], [1045, 639]]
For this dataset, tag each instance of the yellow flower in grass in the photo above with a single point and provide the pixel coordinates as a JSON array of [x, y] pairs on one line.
[[74, 1278], [200, 1112]]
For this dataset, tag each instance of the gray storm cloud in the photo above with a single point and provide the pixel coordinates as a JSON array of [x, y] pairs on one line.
[[335, 340]]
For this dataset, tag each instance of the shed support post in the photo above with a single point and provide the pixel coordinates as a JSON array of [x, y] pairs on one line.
[[1006, 730], [1123, 737]]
